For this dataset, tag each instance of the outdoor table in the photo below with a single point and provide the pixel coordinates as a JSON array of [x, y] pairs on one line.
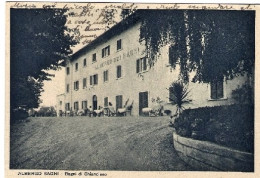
[[147, 110], [98, 111], [122, 111]]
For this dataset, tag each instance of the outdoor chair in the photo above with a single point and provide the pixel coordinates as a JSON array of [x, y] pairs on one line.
[[81, 112], [125, 110]]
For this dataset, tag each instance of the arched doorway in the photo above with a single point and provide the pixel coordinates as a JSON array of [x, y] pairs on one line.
[[94, 99]]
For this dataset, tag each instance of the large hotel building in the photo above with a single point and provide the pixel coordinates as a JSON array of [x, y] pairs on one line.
[[113, 68]]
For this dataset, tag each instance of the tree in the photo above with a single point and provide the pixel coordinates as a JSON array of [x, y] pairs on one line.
[[213, 43], [47, 111], [39, 42]]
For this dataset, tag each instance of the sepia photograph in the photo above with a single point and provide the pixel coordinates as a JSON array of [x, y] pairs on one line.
[[99, 87]]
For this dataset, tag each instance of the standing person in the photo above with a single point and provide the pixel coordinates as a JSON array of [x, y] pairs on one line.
[[90, 111], [112, 111]]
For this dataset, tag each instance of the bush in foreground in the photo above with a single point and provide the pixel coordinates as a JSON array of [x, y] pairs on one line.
[[231, 126]]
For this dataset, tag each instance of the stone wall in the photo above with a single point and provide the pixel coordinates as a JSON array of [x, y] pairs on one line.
[[206, 156]]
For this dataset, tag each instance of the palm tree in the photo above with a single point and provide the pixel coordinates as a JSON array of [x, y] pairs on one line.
[[179, 96]]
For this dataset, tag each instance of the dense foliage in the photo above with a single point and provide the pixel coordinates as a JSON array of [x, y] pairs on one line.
[[39, 42], [46, 111], [231, 126], [212, 43], [244, 94]]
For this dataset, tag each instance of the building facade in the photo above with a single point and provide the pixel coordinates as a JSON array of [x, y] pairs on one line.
[[113, 68], [60, 105]]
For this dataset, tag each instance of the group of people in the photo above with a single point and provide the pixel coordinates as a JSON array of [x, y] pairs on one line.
[[109, 111]]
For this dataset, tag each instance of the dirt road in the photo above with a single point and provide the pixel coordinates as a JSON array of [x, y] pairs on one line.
[[82, 143]]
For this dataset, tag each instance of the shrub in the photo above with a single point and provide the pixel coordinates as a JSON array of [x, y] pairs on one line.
[[179, 95], [244, 94], [231, 126]]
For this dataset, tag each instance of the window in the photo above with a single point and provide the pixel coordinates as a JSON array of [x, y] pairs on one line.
[[106, 102], [67, 106], [118, 72], [141, 65], [106, 51], [171, 94], [94, 57], [119, 101], [76, 85], [119, 44], [68, 88], [216, 89], [93, 80], [60, 102], [105, 75], [76, 106], [68, 70], [84, 105], [76, 66], [84, 83], [85, 62]]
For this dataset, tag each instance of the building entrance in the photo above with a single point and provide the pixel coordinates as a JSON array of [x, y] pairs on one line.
[[94, 102], [143, 101]]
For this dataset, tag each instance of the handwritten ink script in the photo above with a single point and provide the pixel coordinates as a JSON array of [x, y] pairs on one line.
[[86, 21]]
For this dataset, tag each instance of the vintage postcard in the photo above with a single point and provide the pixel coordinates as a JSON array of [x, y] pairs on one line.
[[131, 89]]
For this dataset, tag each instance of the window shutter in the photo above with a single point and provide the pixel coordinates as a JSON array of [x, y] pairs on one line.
[[144, 64], [213, 90], [105, 101], [90, 80], [85, 62], [103, 52], [220, 89], [137, 65], [84, 82], [119, 99], [119, 44], [94, 57], [68, 88], [118, 71]]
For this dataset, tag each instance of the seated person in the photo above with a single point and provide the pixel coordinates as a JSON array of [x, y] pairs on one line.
[[99, 111]]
